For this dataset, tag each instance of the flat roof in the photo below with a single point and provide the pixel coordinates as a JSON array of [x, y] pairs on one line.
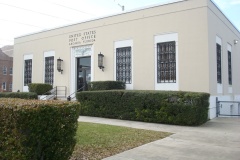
[[102, 17], [116, 14], [225, 15]]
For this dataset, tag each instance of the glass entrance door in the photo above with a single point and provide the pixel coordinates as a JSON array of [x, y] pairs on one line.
[[83, 73]]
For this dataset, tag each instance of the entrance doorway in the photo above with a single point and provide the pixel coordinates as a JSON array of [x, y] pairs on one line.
[[83, 73]]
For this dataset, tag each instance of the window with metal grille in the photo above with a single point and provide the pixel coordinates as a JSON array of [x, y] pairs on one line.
[[166, 62], [229, 68], [49, 70], [219, 65], [27, 72], [123, 65], [4, 70]]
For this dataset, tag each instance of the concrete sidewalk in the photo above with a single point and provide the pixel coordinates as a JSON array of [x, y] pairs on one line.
[[218, 139]]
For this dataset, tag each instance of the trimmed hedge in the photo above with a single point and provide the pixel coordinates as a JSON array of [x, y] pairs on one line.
[[37, 130], [22, 95], [106, 85], [40, 88], [180, 108]]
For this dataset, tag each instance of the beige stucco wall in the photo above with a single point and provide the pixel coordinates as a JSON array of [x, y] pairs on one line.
[[220, 26], [188, 19]]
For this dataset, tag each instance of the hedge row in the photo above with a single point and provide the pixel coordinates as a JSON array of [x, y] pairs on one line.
[[180, 108], [105, 85], [22, 95], [40, 88], [37, 130]]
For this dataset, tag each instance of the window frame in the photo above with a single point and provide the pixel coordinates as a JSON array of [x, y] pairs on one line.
[[167, 66], [123, 64], [219, 62], [10, 86], [4, 86], [4, 70], [49, 72], [48, 54], [121, 44], [161, 38], [27, 57], [218, 85], [10, 71], [27, 72], [229, 67]]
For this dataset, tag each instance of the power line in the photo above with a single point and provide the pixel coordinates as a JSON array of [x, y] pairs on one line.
[[34, 11], [73, 9], [6, 40], [21, 23]]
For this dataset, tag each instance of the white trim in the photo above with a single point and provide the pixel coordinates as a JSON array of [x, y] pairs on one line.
[[120, 44], [220, 85], [49, 54], [73, 71], [166, 38], [219, 88], [26, 57], [229, 47], [219, 40], [230, 89]]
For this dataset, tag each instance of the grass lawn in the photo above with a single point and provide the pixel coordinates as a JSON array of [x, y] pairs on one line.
[[97, 141]]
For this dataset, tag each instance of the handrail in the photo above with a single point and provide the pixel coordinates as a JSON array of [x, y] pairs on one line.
[[54, 93], [48, 91], [229, 101], [69, 97]]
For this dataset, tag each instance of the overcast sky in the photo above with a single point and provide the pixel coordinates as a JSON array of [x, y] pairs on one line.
[[19, 17]]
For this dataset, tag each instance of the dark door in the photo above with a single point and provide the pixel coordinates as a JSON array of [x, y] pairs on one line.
[[83, 73]]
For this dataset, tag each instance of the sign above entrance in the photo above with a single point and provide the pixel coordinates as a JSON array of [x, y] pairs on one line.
[[82, 51], [82, 38]]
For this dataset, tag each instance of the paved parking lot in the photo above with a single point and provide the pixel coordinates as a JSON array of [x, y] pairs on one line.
[[218, 139]]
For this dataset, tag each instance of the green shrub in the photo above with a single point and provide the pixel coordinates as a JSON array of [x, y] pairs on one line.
[[180, 108], [105, 85], [22, 95], [37, 130], [40, 88]]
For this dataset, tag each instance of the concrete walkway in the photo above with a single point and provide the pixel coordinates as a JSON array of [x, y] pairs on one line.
[[218, 139]]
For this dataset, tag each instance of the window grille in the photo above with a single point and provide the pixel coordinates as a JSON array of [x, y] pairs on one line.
[[49, 70], [123, 65], [166, 62], [229, 68], [219, 65], [28, 72]]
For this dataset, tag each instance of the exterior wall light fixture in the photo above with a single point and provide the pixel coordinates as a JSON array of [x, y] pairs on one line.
[[235, 41], [100, 61], [59, 65]]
